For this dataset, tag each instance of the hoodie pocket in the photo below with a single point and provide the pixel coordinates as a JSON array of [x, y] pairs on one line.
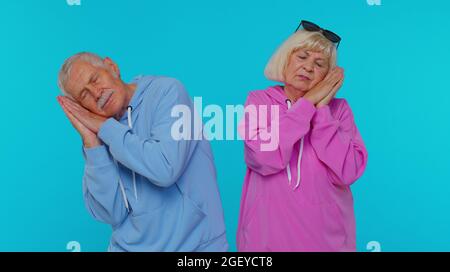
[[250, 215], [250, 232], [143, 229], [194, 228], [178, 225], [334, 228], [304, 227]]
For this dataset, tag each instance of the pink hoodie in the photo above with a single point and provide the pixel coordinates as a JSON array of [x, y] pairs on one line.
[[285, 209]]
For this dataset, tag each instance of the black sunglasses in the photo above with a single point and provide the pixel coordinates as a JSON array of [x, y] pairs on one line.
[[331, 36]]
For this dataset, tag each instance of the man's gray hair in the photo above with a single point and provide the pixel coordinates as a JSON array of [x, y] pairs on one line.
[[64, 72]]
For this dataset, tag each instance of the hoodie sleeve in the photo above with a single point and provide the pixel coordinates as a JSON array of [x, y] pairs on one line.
[[158, 157], [101, 189], [288, 129], [338, 144]]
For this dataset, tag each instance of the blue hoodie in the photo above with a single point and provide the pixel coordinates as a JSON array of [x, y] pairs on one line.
[[157, 193]]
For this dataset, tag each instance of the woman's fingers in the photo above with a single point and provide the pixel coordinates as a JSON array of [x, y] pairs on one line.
[[333, 91], [337, 76], [330, 75], [336, 87], [326, 100], [323, 89], [333, 77]]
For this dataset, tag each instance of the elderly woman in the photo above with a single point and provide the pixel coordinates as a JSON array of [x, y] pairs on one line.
[[297, 197]]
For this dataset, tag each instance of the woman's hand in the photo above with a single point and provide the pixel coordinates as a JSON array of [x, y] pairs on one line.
[[325, 90], [332, 93]]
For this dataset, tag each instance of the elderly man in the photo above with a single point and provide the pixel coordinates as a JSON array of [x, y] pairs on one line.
[[157, 193]]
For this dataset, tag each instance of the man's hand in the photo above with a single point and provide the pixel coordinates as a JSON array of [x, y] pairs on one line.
[[88, 137], [322, 93], [89, 119]]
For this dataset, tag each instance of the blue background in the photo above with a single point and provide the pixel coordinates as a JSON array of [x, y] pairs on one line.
[[396, 57]]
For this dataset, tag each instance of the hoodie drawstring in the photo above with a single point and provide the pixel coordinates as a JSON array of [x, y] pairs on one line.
[[122, 188], [299, 160], [130, 125]]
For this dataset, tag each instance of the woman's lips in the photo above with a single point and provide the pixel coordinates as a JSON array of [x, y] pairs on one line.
[[303, 77]]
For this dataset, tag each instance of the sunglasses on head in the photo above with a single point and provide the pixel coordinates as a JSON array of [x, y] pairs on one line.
[[331, 36]]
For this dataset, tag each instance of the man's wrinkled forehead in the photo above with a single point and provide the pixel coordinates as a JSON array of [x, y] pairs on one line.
[[78, 77]]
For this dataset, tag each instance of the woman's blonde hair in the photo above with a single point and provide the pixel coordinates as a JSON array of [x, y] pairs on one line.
[[301, 39]]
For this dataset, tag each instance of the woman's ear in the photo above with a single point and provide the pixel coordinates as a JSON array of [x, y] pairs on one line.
[[112, 66]]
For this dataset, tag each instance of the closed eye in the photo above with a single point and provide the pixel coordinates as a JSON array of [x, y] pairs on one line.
[[95, 78], [83, 94]]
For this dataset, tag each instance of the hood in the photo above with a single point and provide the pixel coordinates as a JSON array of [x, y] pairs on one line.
[[142, 83], [277, 93]]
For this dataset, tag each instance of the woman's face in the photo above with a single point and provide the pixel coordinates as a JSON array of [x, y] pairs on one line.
[[305, 69]]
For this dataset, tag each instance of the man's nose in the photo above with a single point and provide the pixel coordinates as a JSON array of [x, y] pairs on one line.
[[96, 92]]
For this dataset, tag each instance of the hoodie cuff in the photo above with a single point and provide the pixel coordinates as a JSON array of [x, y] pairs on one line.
[[323, 114], [304, 108], [112, 131], [96, 156]]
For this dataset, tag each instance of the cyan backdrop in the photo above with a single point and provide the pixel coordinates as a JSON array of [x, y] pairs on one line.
[[395, 55]]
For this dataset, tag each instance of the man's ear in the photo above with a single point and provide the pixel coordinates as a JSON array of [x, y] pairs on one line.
[[112, 66]]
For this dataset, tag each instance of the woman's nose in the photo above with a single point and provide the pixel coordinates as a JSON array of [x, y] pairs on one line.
[[308, 67]]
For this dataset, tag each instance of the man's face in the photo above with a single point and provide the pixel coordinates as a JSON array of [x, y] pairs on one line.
[[98, 89]]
